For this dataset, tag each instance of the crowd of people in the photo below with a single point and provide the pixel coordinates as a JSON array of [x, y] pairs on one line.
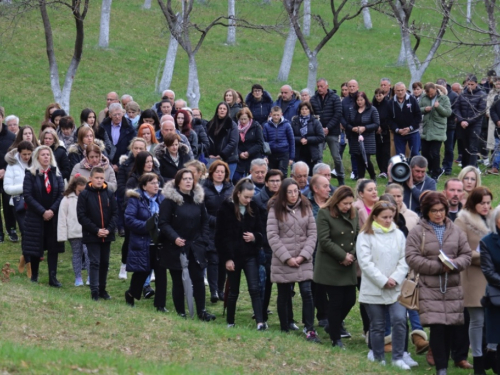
[[207, 200]]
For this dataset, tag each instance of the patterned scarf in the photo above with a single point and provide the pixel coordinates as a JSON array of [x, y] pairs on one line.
[[243, 129], [303, 125], [46, 180], [154, 208]]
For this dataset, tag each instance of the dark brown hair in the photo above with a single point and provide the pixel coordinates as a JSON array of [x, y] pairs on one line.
[[280, 201], [243, 184], [338, 196], [75, 181], [170, 138], [214, 166], [377, 209], [305, 104], [431, 199], [147, 177], [179, 174], [476, 197]]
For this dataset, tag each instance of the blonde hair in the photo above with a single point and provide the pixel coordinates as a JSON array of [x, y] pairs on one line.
[[468, 169], [51, 132], [35, 164]]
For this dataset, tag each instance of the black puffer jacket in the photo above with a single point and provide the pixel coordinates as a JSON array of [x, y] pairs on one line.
[[234, 109], [471, 107], [329, 111], [33, 237], [183, 216], [168, 169], [383, 114], [254, 145], [213, 201], [260, 109], [229, 231], [225, 143], [315, 136], [6, 140], [451, 121], [371, 122], [62, 160], [203, 142], [261, 201], [97, 209]]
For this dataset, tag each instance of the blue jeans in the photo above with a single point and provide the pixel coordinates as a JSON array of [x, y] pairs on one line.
[[232, 169], [448, 151], [496, 153], [413, 141], [414, 320]]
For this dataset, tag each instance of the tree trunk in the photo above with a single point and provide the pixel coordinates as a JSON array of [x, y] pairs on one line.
[[402, 53], [286, 61], [231, 30], [492, 29], [312, 68], [367, 19], [306, 24], [469, 11], [104, 29], [147, 4], [168, 68], [193, 88]]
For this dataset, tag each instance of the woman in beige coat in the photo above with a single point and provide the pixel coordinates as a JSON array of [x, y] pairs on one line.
[[441, 295], [473, 220], [291, 231]]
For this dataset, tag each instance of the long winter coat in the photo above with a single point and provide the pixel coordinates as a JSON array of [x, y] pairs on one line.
[[490, 265], [493, 111], [183, 216], [293, 237], [260, 109], [34, 235], [213, 201], [137, 214], [229, 231], [435, 121], [329, 111], [471, 106], [437, 307], [126, 165], [68, 226], [97, 209], [261, 199], [254, 145], [13, 179], [473, 280], [336, 238], [62, 160], [381, 256], [168, 169], [315, 136], [383, 114], [225, 143], [109, 173], [371, 122]]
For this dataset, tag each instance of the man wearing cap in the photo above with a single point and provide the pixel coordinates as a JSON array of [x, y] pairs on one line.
[[470, 109]]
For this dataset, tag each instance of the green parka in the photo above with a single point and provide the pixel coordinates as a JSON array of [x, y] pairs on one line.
[[435, 121]]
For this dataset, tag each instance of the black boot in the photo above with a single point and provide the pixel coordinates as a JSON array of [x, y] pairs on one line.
[[53, 280], [35, 265], [479, 366], [206, 316], [341, 181], [94, 296]]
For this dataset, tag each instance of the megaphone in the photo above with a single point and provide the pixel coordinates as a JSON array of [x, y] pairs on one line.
[[400, 170]]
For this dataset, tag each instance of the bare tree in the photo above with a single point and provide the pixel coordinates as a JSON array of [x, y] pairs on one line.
[[168, 68], [306, 23], [231, 30], [62, 96], [469, 11], [338, 16], [286, 60], [147, 4], [491, 7], [104, 29], [367, 19]]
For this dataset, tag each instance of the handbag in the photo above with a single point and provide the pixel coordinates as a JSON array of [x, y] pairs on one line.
[[492, 296], [19, 204], [153, 229], [410, 292]]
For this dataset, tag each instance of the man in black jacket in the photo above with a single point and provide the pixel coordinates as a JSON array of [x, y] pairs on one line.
[[471, 107], [6, 139], [404, 120], [450, 129], [326, 104]]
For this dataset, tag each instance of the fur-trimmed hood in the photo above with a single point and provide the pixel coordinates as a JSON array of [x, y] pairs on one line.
[[442, 90], [123, 159], [170, 192], [161, 150], [11, 157], [474, 222], [76, 149], [133, 193]]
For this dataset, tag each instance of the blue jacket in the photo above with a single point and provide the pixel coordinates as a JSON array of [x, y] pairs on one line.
[[291, 110], [260, 110], [136, 216], [280, 137]]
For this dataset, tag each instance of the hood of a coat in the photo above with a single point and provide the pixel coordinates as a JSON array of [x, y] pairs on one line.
[[161, 150], [266, 98], [170, 192], [11, 157], [75, 147], [442, 90], [474, 222]]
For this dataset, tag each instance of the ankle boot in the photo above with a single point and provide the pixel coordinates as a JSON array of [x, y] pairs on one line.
[[478, 364], [341, 181], [53, 280], [21, 264], [28, 270], [34, 271]]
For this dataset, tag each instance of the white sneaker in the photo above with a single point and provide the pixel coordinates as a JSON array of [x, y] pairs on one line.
[[123, 272], [206, 282], [401, 364], [88, 281], [353, 176], [153, 278], [409, 360], [370, 356], [486, 162]]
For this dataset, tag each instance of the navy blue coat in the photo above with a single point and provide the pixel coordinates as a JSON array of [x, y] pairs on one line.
[[127, 133], [280, 137], [315, 136], [329, 111], [292, 108], [136, 216], [260, 109]]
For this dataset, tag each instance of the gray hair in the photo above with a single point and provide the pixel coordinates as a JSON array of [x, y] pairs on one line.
[[115, 107], [400, 84], [492, 222], [322, 80], [258, 163], [167, 122], [184, 104], [418, 161], [319, 167], [305, 91], [299, 164], [385, 79], [12, 117], [167, 92], [441, 81], [125, 97]]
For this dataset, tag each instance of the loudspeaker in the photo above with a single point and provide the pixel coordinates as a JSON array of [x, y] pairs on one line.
[[400, 170]]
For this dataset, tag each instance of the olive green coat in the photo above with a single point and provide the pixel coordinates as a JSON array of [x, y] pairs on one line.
[[435, 121], [336, 237]]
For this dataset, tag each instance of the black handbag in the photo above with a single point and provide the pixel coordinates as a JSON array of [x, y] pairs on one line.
[[153, 229], [491, 297], [19, 204]]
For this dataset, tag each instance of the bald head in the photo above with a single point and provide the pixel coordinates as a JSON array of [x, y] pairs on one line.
[[167, 127], [166, 118], [111, 98], [353, 86], [286, 93]]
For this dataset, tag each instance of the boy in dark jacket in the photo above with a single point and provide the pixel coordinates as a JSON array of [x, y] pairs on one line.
[[279, 134], [97, 214]]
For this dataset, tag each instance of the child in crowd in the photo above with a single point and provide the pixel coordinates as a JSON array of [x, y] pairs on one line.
[[68, 227], [97, 213], [67, 131]]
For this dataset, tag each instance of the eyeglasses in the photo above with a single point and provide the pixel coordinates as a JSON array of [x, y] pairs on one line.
[[274, 181], [435, 211]]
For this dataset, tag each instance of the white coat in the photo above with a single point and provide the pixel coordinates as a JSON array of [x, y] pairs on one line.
[[381, 256], [68, 226], [14, 174]]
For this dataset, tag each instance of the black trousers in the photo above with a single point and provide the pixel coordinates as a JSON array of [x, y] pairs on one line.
[[251, 268], [125, 246], [320, 300], [266, 298], [460, 342], [383, 151], [8, 212], [99, 264], [213, 271], [470, 138], [51, 263], [362, 311], [362, 168], [341, 300], [440, 343], [279, 161], [196, 273], [431, 150], [139, 278], [285, 300]]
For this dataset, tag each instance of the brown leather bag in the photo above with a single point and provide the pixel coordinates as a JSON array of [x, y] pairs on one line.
[[410, 292]]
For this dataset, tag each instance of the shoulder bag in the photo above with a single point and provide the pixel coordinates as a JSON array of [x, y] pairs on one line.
[[410, 293]]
